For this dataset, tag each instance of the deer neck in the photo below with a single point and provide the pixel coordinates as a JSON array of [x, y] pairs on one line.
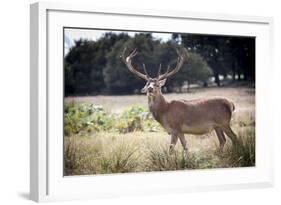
[[157, 105]]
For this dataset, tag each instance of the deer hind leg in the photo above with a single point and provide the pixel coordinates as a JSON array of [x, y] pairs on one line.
[[183, 143], [174, 140], [221, 138], [228, 131]]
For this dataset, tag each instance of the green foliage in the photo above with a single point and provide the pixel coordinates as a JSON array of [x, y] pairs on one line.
[[118, 78], [85, 117], [153, 53], [131, 120], [224, 54], [83, 68], [94, 67], [84, 64], [80, 118], [195, 70]]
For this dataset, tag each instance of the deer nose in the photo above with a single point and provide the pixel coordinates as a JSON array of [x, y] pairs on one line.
[[149, 89]]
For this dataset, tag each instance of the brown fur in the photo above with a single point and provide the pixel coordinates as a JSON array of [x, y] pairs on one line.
[[178, 117], [198, 116]]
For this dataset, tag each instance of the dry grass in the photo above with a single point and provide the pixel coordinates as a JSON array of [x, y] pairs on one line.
[[112, 152]]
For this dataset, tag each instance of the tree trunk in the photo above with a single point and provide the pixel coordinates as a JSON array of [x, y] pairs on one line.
[[233, 70], [188, 87], [239, 75], [205, 84], [180, 88], [169, 89], [217, 79], [245, 73]]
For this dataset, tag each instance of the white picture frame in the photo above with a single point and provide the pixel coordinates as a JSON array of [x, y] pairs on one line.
[[46, 52]]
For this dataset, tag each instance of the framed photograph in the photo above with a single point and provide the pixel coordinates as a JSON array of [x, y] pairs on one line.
[[130, 102]]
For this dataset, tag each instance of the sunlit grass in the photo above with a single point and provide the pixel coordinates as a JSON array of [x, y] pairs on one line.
[[99, 141], [106, 153]]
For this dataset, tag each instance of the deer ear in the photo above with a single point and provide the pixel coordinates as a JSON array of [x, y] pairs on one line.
[[162, 82]]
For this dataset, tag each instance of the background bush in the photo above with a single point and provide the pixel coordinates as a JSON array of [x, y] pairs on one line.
[[82, 117]]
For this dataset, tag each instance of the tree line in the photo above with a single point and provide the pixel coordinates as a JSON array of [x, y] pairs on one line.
[[95, 67]]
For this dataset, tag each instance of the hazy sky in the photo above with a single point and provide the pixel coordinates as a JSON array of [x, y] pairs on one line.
[[74, 34]]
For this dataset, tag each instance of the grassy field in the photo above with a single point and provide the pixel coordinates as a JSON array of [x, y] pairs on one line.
[[116, 134]]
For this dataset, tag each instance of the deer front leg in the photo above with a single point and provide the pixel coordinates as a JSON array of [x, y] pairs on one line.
[[174, 139], [183, 143]]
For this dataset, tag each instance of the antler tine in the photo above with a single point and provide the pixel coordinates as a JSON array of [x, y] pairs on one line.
[[168, 69], [128, 62], [134, 53], [144, 69], [161, 77], [180, 61], [123, 54], [178, 52], [159, 70]]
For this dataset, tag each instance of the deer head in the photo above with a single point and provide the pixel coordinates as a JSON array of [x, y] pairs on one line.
[[153, 85]]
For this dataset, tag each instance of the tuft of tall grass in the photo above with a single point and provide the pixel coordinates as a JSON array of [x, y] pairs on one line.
[[161, 160], [86, 156], [242, 153], [120, 158], [78, 156]]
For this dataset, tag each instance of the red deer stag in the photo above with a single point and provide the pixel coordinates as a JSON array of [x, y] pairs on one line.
[[179, 117]]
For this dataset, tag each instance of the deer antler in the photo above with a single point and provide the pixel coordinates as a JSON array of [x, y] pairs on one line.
[[128, 62], [159, 71], [180, 61]]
